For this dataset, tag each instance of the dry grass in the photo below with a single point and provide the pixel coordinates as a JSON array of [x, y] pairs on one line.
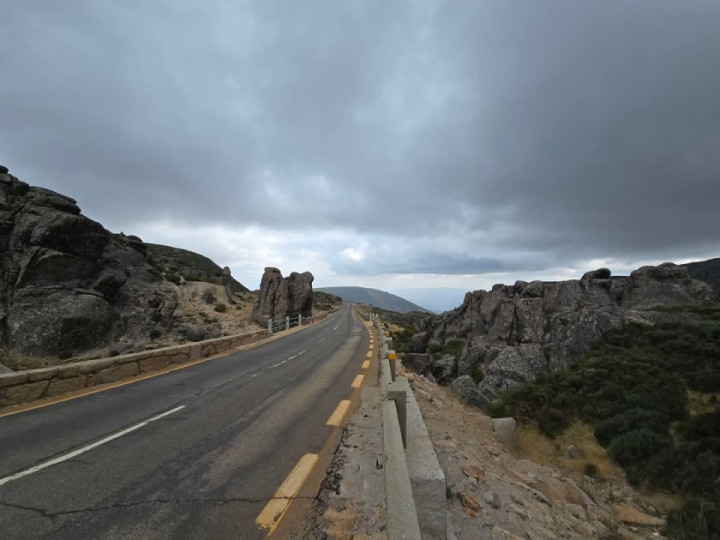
[[536, 447], [699, 403], [235, 319]]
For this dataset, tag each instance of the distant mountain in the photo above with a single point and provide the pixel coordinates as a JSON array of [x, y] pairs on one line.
[[374, 297], [437, 299], [707, 271]]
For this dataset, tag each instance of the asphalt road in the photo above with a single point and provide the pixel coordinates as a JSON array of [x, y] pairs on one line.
[[233, 429]]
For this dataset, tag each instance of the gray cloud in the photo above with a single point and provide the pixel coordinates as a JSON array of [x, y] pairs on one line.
[[463, 138]]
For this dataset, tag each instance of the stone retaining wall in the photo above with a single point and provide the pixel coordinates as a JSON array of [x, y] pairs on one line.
[[25, 386]]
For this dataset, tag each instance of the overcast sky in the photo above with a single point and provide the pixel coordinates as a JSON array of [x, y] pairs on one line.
[[385, 144]]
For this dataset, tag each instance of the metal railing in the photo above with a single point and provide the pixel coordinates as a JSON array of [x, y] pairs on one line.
[[287, 323]]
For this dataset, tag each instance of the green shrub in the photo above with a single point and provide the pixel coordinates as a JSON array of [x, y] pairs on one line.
[[220, 308], [695, 520], [174, 278], [701, 426], [155, 333], [591, 470], [477, 374], [608, 429], [637, 445]]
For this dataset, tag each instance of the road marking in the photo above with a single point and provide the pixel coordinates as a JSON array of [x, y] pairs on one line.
[[338, 326], [323, 339], [87, 448], [369, 355], [337, 417], [358, 381], [366, 364], [275, 509], [287, 359]]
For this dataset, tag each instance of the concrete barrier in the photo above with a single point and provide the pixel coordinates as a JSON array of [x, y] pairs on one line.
[[24, 386], [413, 455], [402, 521], [426, 477]]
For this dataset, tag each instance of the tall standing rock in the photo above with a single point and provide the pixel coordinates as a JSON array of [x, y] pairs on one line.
[[282, 297]]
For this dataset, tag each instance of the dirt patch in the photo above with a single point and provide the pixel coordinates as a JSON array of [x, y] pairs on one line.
[[538, 489]]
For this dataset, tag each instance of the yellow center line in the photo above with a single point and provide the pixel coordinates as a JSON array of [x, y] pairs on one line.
[[337, 417], [276, 508], [366, 364], [358, 381], [369, 355]]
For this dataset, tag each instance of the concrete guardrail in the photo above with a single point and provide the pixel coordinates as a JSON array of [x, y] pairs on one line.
[[24, 386], [415, 486], [21, 387]]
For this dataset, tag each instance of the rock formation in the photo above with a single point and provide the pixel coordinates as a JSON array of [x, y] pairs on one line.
[[67, 284], [282, 297], [515, 333]]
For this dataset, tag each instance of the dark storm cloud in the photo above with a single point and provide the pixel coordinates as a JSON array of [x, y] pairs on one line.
[[516, 134]]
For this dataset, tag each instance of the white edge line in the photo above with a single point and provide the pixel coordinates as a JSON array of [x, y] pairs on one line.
[[87, 448]]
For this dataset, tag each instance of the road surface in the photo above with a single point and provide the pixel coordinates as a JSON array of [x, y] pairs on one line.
[[195, 453]]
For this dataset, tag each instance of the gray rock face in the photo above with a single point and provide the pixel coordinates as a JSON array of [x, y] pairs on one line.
[[467, 390], [68, 284], [516, 333], [445, 369], [282, 297], [419, 363]]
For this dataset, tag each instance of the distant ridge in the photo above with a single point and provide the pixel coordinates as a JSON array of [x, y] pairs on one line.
[[374, 297]]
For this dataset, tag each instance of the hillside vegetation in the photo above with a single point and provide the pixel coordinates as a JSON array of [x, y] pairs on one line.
[[374, 297], [177, 262], [651, 394]]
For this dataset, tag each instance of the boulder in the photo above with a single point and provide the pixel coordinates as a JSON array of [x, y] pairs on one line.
[[445, 369], [67, 284], [467, 390], [419, 342], [600, 273], [419, 363], [505, 431], [472, 355]]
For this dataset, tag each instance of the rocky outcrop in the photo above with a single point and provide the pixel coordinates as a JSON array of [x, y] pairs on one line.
[[707, 271], [67, 284], [282, 297], [515, 333]]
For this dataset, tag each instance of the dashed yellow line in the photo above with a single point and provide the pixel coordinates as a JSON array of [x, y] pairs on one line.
[[366, 364], [337, 417], [274, 510], [369, 355], [358, 381]]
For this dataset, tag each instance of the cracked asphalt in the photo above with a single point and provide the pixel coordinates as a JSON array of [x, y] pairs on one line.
[[205, 471]]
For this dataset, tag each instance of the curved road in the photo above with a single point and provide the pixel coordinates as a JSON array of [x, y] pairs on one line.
[[195, 453]]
